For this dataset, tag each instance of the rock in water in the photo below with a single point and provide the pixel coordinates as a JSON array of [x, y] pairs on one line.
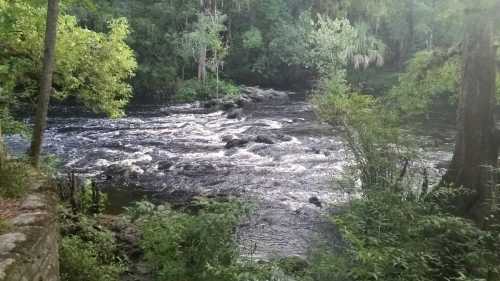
[[236, 143], [235, 114], [227, 138], [264, 139], [165, 165], [282, 137], [315, 201]]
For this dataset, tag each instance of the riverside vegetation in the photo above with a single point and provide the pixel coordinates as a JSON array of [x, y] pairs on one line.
[[375, 71]]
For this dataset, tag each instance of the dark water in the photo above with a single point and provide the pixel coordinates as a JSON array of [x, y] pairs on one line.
[[177, 152]]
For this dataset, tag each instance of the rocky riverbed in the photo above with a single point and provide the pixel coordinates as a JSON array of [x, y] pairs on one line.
[[265, 146]]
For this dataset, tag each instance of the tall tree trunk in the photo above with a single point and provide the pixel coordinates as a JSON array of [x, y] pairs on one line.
[[202, 56], [476, 150], [45, 82], [3, 152], [202, 64]]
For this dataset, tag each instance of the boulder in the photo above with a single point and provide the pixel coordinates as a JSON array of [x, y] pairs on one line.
[[264, 139], [235, 114], [244, 101], [197, 169], [211, 103], [284, 138], [227, 138], [122, 172], [165, 165], [236, 143], [227, 105], [315, 201]]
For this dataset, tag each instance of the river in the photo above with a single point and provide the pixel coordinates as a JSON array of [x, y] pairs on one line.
[[287, 163]]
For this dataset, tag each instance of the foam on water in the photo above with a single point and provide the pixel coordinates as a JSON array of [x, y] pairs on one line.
[[181, 149]]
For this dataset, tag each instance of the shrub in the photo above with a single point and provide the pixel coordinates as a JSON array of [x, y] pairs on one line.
[[88, 251], [86, 260], [391, 237], [429, 77], [371, 131], [196, 246]]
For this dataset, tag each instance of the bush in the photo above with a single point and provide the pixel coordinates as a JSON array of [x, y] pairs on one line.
[[88, 251], [429, 77], [199, 244], [371, 132], [86, 260], [192, 247], [390, 237]]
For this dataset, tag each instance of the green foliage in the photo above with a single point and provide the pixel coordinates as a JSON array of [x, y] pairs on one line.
[[371, 132], [88, 251], [9, 124], [191, 90], [87, 200], [200, 244], [252, 39], [206, 35], [428, 78], [182, 246], [336, 43], [394, 237], [93, 67], [14, 178]]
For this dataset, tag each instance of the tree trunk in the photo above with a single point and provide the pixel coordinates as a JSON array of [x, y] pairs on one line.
[[45, 82], [202, 56], [476, 150], [202, 65], [3, 152]]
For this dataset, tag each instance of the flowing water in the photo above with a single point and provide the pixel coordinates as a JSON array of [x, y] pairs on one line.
[[288, 167]]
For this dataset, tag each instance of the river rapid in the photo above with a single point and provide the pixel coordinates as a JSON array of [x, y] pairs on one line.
[[274, 153]]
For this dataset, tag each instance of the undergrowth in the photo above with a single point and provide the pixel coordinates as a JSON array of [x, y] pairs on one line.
[[393, 237], [88, 251]]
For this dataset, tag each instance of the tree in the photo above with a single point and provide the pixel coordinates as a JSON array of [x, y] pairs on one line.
[[476, 151], [92, 67], [45, 82]]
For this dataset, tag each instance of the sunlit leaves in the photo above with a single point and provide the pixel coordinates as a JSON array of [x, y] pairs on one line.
[[93, 67], [334, 44], [424, 82]]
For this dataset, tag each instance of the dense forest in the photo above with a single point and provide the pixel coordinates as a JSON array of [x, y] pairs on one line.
[[255, 140]]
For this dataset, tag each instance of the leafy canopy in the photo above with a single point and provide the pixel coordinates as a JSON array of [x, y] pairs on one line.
[[92, 67]]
